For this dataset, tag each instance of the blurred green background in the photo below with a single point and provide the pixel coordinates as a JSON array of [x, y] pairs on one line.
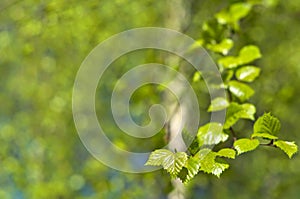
[[42, 44]]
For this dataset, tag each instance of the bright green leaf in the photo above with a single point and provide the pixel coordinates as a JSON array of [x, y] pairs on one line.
[[240, 90], [227, 75], [239, 10], [237, 111], [197, 76], [229, 62], [267, 124], [208, 163], [264, 135], [247, 73], [192, 165], [211, 133], [290, 148], [172, 162], [244, 145], [218, 104], [223, 47], [248, 54], [227, 153]]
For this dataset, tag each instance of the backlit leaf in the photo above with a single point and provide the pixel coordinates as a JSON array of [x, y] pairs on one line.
[[244, 145], [227, 153], [247, 73], [267, 124], [290, 148], [218, 104], [240, 90], [211, 133], [172, 162]]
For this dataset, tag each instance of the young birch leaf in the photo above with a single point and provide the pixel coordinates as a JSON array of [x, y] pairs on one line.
[[208, 163], [240, 90], [290, 148], [239, 10], [229, 62], [248, 54], [218, 104], [237, 111], [247, 73], [192, 165], [223, 47], [264, 135], [211, 133], [227, 153], [267, 124], [244, 145], [172, 162]]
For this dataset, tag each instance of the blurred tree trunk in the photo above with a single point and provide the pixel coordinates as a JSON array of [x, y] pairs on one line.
[[177, 18]]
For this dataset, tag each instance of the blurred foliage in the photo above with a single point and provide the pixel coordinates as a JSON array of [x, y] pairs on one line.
[[42, 44]]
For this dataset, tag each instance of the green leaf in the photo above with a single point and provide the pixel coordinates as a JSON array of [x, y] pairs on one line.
[[223, 47], [227, 153], [237, 111], [236, 12], [227, 75], [240, 90], [172, 162], [239, 10], [190, 141], [229, 62], [244, 145], [249, 54], [218, 104], [211, 133], [208, 163], [267, 124], [197, 76], [290, 148], [192, 165], [264, 135], [247, 73], [246, 55]]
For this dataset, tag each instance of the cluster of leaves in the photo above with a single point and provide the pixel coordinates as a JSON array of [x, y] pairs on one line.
[[237, 72]]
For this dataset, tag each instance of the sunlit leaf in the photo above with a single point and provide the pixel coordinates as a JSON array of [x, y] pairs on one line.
[[264, 135], [223, 47], [208, 163], [211, 133], [240, 90], [249, 54], [247, 73], [237, 111], [290, 148], [227, 153], [244, 145], [267, 124], [172, 162], [192, 165], [218, 104]]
